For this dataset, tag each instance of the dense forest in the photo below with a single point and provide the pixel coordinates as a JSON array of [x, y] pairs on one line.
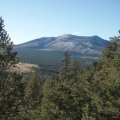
[[91, 92]]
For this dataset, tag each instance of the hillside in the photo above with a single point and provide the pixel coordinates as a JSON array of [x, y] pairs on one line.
[[24, 67], [67, 42], [47, 52]]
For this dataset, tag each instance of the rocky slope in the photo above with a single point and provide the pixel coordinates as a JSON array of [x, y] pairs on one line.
[[68, 42]]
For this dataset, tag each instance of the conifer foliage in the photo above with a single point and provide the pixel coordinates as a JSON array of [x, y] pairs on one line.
[[91, 92], [11, 86], [7, 57]]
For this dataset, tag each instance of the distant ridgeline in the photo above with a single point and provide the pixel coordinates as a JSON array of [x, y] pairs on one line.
[[48, 51]]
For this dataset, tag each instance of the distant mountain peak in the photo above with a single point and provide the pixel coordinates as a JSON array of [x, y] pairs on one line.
[[65, 36], [95, 36], [69, 42]]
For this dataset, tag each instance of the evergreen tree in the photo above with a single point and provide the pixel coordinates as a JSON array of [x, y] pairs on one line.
[[107, 81], [33, 94], [7, 57], [33, 90], [65, 68], [11, 96], [75, 69], [11, 86]]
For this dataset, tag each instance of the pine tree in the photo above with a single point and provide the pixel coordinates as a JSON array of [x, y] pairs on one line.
[[107, 81], [11, 86], [65, 68], [33, 90], [11, 96], [75, 69], [7, 56]]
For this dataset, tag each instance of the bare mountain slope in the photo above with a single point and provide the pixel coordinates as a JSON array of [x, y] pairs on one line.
[[68, 42]]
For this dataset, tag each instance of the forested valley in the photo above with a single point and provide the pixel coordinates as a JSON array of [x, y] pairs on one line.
[[91, 92]]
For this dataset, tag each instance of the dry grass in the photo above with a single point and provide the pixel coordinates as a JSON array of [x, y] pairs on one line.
[[24, 67]]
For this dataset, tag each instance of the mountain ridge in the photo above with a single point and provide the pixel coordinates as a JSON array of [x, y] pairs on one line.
[[67, 42], [47, 52]]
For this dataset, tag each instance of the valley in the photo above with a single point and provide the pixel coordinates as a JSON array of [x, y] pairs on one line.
[[47, 52]]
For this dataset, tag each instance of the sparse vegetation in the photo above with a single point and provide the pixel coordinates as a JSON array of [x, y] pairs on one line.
[[24, 67]]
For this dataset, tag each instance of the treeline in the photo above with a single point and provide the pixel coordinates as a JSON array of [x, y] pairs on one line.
[[91, 92]]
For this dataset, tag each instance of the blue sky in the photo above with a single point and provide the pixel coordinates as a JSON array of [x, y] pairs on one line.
[[29, 19]]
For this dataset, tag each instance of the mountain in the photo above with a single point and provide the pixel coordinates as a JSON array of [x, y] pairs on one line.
[[47, 52], [68, 42]]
